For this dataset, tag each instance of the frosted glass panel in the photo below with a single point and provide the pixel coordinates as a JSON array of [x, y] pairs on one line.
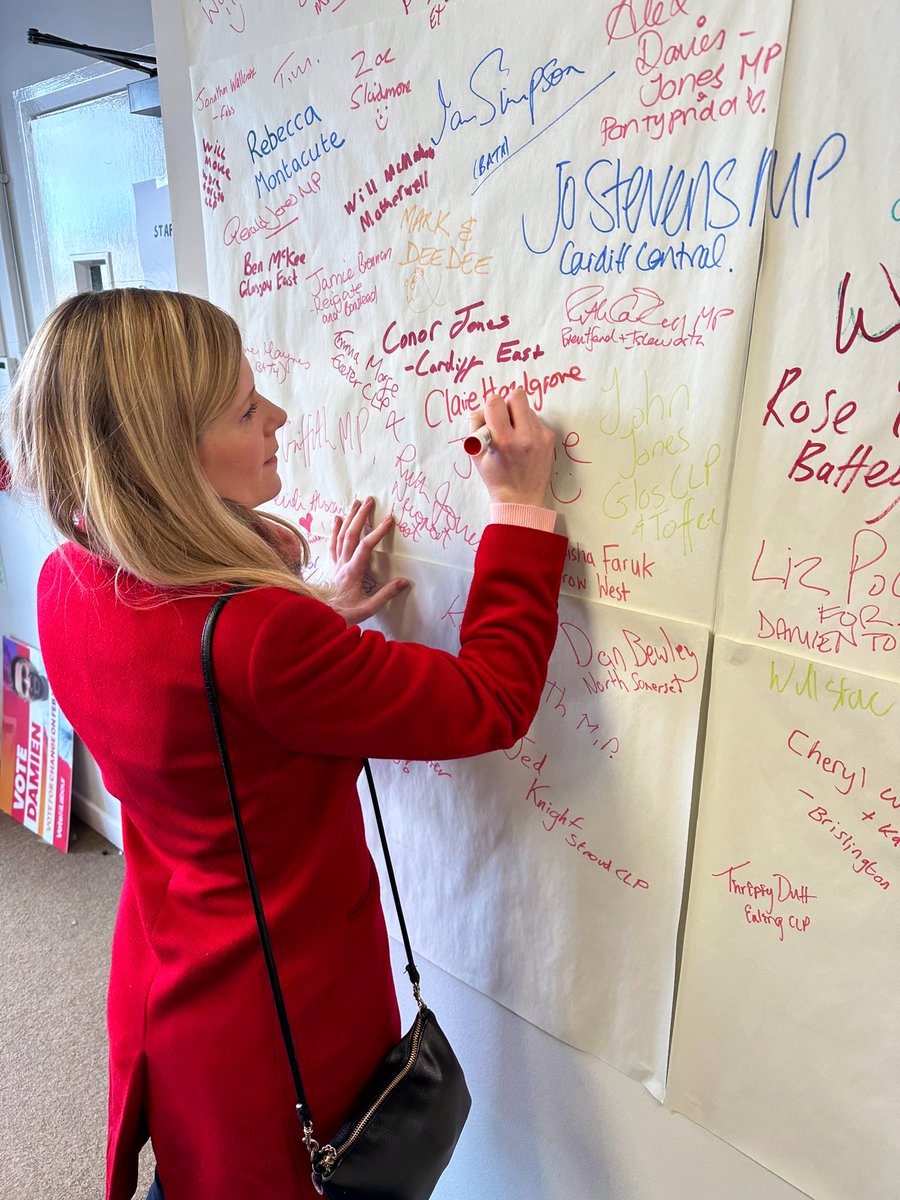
[[87, 157]]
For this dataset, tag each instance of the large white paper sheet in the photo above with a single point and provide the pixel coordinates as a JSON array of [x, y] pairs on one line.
[[550, 875], [407, 218], [786, 1041], [812, 559]]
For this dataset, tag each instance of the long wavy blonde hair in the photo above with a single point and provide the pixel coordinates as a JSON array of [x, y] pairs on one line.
[[103, 427]]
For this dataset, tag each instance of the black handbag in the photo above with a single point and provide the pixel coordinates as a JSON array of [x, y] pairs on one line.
[[408, 1118]]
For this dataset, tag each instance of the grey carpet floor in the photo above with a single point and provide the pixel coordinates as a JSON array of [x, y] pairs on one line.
[[56, 920]]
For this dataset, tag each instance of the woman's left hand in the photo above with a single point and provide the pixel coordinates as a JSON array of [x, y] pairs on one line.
[[355, 596]]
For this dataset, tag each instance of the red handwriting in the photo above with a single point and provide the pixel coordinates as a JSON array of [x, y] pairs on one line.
[[840, 472], [314, 436], [382, 58], [628, 18], [280, 272], [227, 9], [373, 92], [865, 630], [815, 572], [269, 359], [442, 405], [378, 387], [859, 862], [365, 194], [336, 295], [321, 6], [393, 339], [424, 512], [269, 220], [684, 77], [651, 662], [659, 88], [432, 765], [858, 328], [653, 51], [632, 319], [781, 891], [639, 306], [205, 99], [215, 172], [575, 557], [533, 761], [619, 567], [804, 746], [564, 481], [291, 69], [435, 11], [801, 411], [555, 819]]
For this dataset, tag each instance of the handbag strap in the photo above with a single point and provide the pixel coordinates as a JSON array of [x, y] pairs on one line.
[[302, 1107]]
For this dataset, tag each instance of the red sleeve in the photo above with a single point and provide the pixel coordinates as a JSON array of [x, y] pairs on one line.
[[321, 687]]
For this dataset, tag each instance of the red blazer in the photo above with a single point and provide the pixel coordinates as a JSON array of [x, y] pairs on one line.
[[196, 1057]]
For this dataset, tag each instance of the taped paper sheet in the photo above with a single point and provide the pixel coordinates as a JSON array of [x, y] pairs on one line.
[[406, 217], [786, 1041], [550, 875], [812, 557]]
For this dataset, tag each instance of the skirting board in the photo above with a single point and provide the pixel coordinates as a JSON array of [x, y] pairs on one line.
[[105, 818]]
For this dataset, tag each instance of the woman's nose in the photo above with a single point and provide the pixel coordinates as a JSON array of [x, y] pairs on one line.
[[277, 415]]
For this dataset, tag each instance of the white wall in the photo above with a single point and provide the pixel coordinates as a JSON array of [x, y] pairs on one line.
[[551, 1123], [548, 1122]]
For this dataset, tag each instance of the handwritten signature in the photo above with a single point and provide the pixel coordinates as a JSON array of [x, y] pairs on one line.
[[495, 98]]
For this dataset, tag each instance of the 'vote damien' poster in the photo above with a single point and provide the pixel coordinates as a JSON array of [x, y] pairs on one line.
[[36, 754]]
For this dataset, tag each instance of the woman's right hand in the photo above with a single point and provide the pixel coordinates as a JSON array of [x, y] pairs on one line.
[[516, 464]]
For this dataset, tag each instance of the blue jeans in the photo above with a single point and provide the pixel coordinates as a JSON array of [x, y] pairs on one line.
[[156, 1192]]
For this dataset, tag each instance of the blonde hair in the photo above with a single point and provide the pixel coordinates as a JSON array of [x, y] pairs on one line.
[[103, 427]]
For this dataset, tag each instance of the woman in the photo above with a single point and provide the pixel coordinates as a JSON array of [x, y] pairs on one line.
[[136, 422]]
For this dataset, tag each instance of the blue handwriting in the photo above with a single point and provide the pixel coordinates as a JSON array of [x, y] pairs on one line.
[[497, 100]]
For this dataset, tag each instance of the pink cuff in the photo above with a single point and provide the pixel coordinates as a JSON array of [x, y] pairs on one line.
[[531, 516]]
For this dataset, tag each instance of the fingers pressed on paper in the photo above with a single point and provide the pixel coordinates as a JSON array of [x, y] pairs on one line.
[[360, 513], [518, 407], [380, 531]]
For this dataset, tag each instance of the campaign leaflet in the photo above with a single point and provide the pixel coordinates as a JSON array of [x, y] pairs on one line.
[[36, 751]]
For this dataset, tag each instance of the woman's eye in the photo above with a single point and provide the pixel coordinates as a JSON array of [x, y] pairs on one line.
[[250, 411]]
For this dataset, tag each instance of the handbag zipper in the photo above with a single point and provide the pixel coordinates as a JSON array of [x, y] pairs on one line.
[[330, 1154]]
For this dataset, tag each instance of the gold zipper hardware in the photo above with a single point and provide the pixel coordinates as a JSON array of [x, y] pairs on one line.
[[330, 1154]]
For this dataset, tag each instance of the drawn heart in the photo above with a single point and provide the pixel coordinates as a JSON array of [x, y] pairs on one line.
[[306, 522]]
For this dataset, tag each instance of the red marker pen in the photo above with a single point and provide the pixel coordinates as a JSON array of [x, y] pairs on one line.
[[477, 441]]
